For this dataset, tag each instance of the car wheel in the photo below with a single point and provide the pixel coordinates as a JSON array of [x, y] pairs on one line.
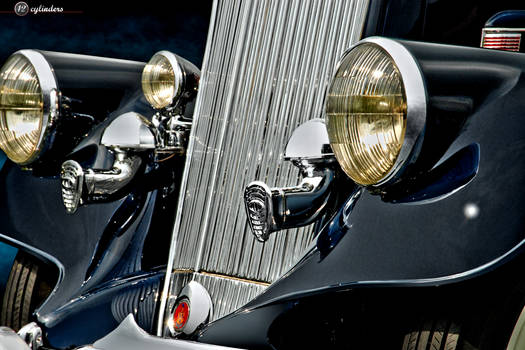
[[433, 335], [19, 293], [517, 338]]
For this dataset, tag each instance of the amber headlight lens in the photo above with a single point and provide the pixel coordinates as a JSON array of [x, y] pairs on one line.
[[21, 109], [366, 114], [162, 80]]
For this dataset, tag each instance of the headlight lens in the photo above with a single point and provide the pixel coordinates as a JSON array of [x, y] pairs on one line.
[[162, 80], [21, 109], [366, 114]]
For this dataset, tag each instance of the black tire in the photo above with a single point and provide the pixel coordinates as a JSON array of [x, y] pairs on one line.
[[433, 335], [18, 298]]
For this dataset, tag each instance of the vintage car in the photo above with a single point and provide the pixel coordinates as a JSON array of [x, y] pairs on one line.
[[339, 174]]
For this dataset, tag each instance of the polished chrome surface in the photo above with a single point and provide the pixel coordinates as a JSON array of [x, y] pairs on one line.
[[266, 67], [48, 84], [129, 336], [201, 308], [31, 333], [129, 131], [259, 210], [416, 95], [9, 340], [106, 182], [224, 290], [79, 185], [171, 133], [309, 142], [273, 209], [72, 176]]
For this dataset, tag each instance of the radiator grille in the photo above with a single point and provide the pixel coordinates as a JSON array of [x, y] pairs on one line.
[[266, 66]]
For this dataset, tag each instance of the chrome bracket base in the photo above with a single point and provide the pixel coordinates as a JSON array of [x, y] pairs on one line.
[[171, 133], [31, 333], [201, 308]]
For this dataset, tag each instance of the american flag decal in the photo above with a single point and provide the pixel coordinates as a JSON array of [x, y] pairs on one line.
[[498, 39]]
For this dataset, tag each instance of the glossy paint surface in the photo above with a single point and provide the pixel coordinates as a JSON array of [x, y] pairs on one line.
[[438, 241], [507, 19], [462, 223], [70, 239], [2, 159], [93, 315]]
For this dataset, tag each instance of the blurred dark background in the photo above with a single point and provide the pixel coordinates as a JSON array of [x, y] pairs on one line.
[[128, 30]]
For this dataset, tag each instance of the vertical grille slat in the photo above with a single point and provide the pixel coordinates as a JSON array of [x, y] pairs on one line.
[[266, 67]]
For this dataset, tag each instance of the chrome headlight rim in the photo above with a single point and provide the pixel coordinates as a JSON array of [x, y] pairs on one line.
[[49, 89], [178, 75], [416, 100]]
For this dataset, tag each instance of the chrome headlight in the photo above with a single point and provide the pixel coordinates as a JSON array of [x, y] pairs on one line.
[[28, 104], [162, 80], [376, 110]]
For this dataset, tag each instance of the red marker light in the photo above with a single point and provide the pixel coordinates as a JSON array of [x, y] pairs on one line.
[[181, 315]]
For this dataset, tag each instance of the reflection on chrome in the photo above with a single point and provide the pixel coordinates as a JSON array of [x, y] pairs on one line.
[[97, 184], [246, 109]]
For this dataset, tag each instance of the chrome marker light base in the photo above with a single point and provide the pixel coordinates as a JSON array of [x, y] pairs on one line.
[[129, 131], [274, 209], [200, 312], [309, 143]]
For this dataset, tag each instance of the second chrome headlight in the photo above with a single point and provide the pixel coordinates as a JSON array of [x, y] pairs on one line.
[[375, 110], [162, 80]]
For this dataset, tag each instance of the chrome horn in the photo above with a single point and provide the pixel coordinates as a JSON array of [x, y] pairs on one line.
[[128, 133], [273, 209]]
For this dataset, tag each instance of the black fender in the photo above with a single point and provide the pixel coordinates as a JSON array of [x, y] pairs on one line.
[[94, 314], [432, 230], [69, 242]]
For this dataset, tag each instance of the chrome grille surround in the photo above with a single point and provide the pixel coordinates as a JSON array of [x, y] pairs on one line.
[[265, 70]]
